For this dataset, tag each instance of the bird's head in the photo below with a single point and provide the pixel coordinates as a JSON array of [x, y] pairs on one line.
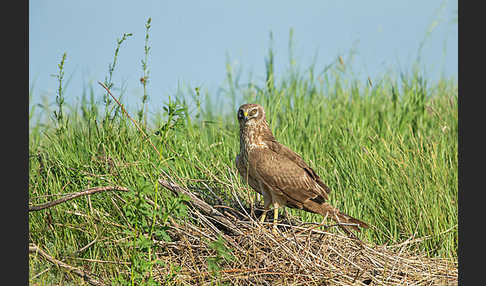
[[250, 114]]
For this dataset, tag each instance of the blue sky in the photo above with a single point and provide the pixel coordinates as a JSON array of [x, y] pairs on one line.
[[191, 40]]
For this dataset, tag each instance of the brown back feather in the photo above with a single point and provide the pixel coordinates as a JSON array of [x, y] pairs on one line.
[[294, 157], [285, 177]]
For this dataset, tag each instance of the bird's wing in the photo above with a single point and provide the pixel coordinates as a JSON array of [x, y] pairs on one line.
[[284, 177], [240, 167], [245, 175], [295, 158]]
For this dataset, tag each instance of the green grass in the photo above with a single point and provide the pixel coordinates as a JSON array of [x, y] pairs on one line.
[[387, 151]]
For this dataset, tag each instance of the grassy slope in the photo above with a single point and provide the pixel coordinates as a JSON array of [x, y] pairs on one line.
[[389, 154]]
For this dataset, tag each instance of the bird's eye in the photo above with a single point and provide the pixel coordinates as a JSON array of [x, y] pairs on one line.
[[252, 112], [240, 113]]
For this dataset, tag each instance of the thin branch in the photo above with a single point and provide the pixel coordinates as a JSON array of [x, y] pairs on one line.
[[81, 273], [143, 133], [203, 206], [75, 195], [40, 273], [128, 115], [86, 246]]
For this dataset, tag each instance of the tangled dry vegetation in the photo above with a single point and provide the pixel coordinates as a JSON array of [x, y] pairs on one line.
[[300, 254]]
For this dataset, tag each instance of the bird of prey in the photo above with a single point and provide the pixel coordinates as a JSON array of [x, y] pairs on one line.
[[279, 174]]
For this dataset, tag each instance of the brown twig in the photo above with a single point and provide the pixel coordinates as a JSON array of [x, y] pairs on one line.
[[81, 273], [203, 206], [75, 195]]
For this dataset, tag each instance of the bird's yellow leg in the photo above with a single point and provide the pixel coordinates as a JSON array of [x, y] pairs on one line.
[[267, 200], [262, 217], [275, 219], [266, 207]]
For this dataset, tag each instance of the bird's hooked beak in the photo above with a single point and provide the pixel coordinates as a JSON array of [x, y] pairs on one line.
[[245, 114]]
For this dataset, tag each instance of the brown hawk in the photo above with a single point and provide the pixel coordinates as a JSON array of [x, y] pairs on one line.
[[279, 174]]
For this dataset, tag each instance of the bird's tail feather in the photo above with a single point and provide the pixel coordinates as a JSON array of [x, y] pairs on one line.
[[341, 218]]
